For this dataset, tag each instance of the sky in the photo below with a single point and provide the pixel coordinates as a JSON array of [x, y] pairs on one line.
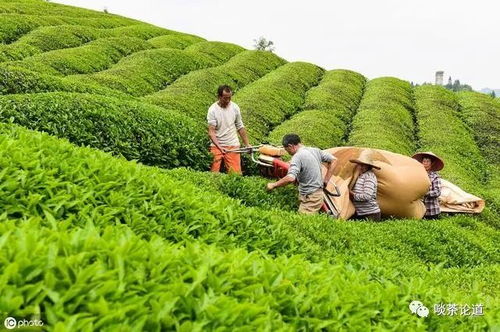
[[410, 40]]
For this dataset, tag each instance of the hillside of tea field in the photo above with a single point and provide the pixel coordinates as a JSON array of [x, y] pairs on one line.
[[109, 219]]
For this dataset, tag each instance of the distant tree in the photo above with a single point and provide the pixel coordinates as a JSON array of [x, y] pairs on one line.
[[262, 44], [105, 10], [493, 94], [449, 86]]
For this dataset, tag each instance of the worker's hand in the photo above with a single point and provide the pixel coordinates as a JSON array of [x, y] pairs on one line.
[[270, 186], [249, 147]]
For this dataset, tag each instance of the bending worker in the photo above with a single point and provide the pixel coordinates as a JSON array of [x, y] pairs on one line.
[[305, 167], [224, 121]]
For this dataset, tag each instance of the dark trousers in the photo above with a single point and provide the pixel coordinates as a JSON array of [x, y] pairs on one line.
[[373, 216], [434, 216]]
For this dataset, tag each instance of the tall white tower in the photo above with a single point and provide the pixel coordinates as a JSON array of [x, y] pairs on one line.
[[439, 77]]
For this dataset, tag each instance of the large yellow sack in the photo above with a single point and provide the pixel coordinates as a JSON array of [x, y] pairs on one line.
[[402, 182]]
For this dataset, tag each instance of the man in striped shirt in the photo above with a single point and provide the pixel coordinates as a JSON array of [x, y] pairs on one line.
[[364, 193]]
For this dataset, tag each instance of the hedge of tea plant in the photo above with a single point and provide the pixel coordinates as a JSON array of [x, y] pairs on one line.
[[14, 26], [193, 93], [385, 117], [148, 71], [133, 130], [249, 190], [14, 80], [177, 41], [45, 176], [92, 57], [327, 111], [100, 278], [57, 37], [441, 130], [482, 114], [270, 100], [394, 260]]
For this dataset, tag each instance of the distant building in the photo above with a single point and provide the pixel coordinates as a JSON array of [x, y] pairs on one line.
[[439, 77]]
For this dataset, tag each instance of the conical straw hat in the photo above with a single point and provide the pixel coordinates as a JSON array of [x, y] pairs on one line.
[[437, 163], [365, 157]]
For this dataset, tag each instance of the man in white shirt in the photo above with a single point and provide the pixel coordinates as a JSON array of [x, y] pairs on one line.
[[224, 125]]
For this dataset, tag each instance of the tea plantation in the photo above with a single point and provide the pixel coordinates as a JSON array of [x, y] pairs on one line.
[[110, 221]]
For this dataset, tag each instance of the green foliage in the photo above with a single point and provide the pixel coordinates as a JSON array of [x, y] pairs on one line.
[[268, 101], [175, 41], [441, 131], [249, 190], [97, 278], [482, 115], [51, 38], [327, 111], [92, 57], [385, 117], [193, 93], [18, 80], [146, 72], [215, 52], [136, 131]]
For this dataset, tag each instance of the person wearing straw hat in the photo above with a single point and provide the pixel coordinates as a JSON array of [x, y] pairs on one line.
[[364, 193], [432, 165]]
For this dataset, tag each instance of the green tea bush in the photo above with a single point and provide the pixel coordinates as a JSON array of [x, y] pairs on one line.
[[92, 57], [482, 115], [215, 52], [107, 278], [175, 41], [193, 93], [441, 131], [136, 131], [249, 190], [146, 72], [327, 111], [14, 26], [15, 80], [385, 117], [51, 38], [278, 95]]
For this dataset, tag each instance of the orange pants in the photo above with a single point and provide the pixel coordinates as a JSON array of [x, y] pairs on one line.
[[231, 160]]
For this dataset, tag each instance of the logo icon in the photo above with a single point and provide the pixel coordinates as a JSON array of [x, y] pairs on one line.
[[417, 307], [10, 323]]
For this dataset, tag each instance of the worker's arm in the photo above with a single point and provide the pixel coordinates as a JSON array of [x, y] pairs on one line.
[[369, 190], [213, 138], [281, 182], [244, 137]]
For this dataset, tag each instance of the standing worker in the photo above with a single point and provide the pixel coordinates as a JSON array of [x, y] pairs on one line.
[[364, 193], [224, 121], [305, 167], [432, 165]]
